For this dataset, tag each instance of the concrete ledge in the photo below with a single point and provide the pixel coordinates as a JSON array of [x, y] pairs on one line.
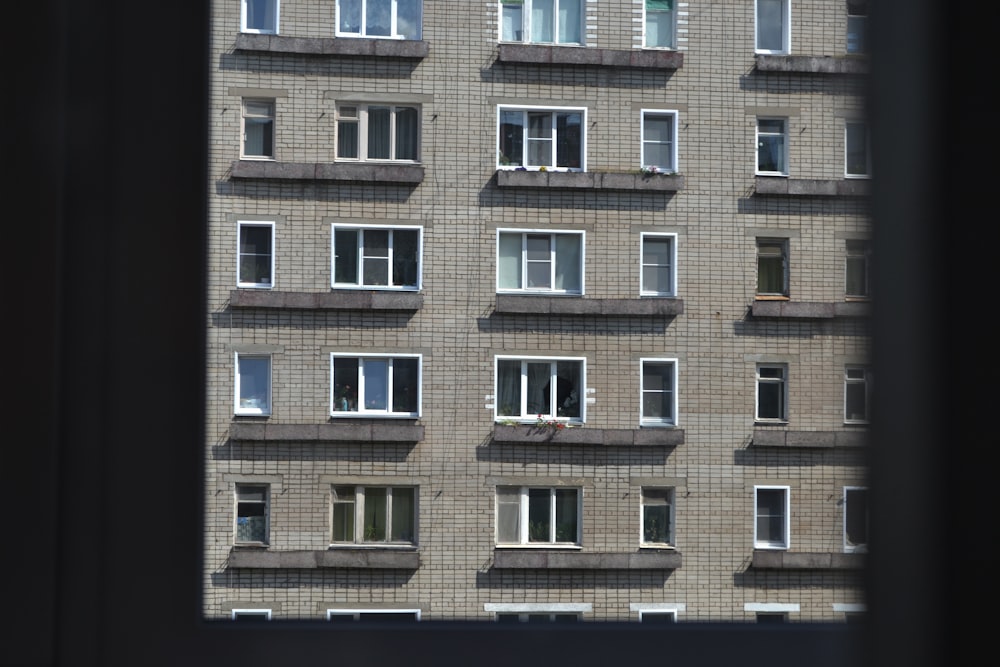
[[767, 559], [570, 305], [530, 559], [765, 437], [549, 54], [811, 64], [580, 435], [333, 46], [336, 300], [581, 180], [370, 558], [328, 171], [809, 309], [811, 187], [376, 431]]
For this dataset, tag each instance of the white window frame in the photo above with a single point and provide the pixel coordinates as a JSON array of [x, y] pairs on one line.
[[857, 35], [357, 500], [767, 134], [758, 541], [394, 19], [674, 117], [786, 28], [858, 252], [864, 128], [238, 500], [252, 410], [245, 115], [645, 420], [244, 17], [235, 613], [242, 225], [358, 614], [527, 28], [849, 546], [671, 503], [363, 407], [360, 257], [671, 23], [765, 249], [857, 377], [361, 120], [670, 267], [524, 415], [553, 138], [671, 609], [523, 497], [553, 261], [782, 381], [526, 609]]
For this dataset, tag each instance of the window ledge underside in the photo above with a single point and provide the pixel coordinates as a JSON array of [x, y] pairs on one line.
[[366, 172], [570, 305], [573, 560], [333, 46], [589, 180], [581, 435], [551, 54], [768, 559], [810, 310], [335, 300], [767, 62], [812, 187], [365, 558], [377, 431], [808, 439]]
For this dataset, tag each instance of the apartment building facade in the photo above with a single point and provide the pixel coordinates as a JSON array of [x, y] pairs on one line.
[[537, 310]]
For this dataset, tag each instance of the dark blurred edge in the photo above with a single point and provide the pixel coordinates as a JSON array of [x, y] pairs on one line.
[[105, 119]]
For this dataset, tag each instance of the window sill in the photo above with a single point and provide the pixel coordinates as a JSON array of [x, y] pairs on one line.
[[340, 558], [782, 308], [393, 431], [573, 560], [589, 180], [782, 438], [577, 305], [857, 64], [368, 47], [553, 54], [580, 435], [783, 186], [363, 172], [335, 300], [772, 559]]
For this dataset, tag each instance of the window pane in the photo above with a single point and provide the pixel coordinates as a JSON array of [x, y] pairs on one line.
[[375, 514], [405, 385], [855, 401], [376, 257], [255, 382], [259, 137], [511, 138], [343, 514], [542, 20], [509, 261], [509, 388], [566, 515], [656, 524], [568, 275], [658, 128], [771, 153], [261, 15], [657, 617], [770, 25], [347, 139], [771, 516], [659, 24], [539, 515], [345, 257], [657, 391], [345, 384], [539, 261], [408, 18], [405, 247], [511, 21], [568, 389], [378, 17], [376, 377], [539, 388], [379, 124], [570, 22], [856, 524], [540, 139], [350, 15], [569, 146], [769, 400], [406, 133], [857, 148], [508, 515], [402, 515], [255, 254], [656, 270]]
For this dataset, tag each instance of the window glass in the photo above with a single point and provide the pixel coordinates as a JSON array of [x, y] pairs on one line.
[[658, 140], [253, 378], [260, 16], [771, 392], [540, 262], [855, 518], [658, 392], [771, 26], [857, 269], [770, 526], [657, 264], [376, 386], [659, 27], [258, 128], [535, 138], [771, 146], [251, 513], [856, 147], [657, 519], [771, 268], [255, 254]]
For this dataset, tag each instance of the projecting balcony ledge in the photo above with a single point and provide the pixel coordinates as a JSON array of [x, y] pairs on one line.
[[568, 305], [548, 54], [764, 437], [366, 558], [767, 559], [532, 559], [767, 62], [581, 435], [810, 310], [380, 173], [589, 180], [332, 46], [386, 431], [336, 300], [812, 187]]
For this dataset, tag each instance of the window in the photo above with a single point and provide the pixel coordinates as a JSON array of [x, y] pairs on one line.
[[772, 617], [258, 129], [375, 386], [772, 268], [659, 24], [374, 515], [857, 26], [542, 21], [535, 137], [657, 518], [397, 19], [253, 384], [855, 519], [659, 143], [255, 255], [537, 617], [773, 26], [251, 615], [528, 388], [538, 515], [658, 617], [376, 257], [658, 389], [857, 153], [372, 615], [771, 521], [857, 394], [772, 392], [540, 262], [772, 146], [857, 269], [259, 16], [659, 265], [252, 514], [378, 132]]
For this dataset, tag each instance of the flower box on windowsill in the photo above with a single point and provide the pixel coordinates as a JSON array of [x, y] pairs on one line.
[[581, 435], [588, 180]]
